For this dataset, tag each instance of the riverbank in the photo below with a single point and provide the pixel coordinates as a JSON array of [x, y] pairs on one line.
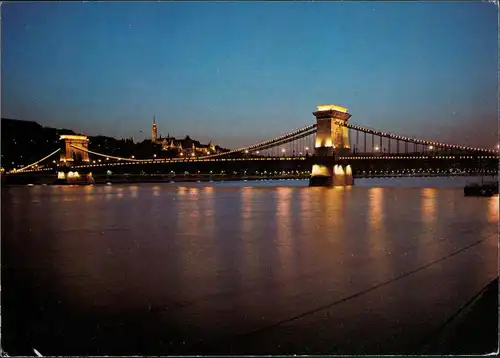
[[473, 330]]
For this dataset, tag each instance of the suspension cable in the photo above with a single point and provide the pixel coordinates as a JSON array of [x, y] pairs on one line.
[[282, 142], [297, 134], [110, 156], [274, 141], [414, 140], [35, 163]]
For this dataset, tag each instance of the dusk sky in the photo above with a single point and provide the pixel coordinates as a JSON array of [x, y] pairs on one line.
[[240, 72]]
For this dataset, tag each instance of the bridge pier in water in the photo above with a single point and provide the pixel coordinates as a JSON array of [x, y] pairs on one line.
[[332, 141]]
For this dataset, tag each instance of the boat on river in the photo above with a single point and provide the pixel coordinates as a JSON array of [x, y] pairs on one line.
[[483, 189]]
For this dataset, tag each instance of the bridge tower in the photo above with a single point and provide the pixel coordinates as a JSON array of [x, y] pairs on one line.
[[332, 140], [69, 153]]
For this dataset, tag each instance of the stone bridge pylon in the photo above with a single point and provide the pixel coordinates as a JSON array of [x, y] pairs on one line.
[[332, 141], [69, 154]]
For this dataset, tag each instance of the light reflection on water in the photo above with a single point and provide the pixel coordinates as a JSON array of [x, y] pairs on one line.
[[241, 255], [284, 197], [493, 210], [428, 206], [376, 213]]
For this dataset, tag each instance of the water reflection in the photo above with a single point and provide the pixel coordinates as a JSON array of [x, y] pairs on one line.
[[428, 205], [493, 209], [336, 200], [305, 222], [428, 240], [304, 202], [492, 219], [248, 258], [209, 204], [377, 234], [89, 196], [133, 191], [284, 227], [194, 193], [246, 205], [232, 255], [376, 209]]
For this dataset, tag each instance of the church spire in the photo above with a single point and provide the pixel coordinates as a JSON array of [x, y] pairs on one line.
[[154, 131]]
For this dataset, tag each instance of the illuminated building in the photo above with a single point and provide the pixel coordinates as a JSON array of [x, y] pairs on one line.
[[70, 153], [154, 131], [187, 146], [331, 130], [332, 140]]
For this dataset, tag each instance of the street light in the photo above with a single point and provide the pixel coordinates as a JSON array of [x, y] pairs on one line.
[[377, 148], [431, 147], [154, 155], [307, 148]]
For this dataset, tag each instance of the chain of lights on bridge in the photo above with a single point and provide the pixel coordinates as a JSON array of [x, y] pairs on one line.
[[280, 140], [429, 143]]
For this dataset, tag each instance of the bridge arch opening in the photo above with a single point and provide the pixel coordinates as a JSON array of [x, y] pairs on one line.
[[70, 154]]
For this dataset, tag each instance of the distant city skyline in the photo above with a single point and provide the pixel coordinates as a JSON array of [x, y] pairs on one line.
[[237, 73]]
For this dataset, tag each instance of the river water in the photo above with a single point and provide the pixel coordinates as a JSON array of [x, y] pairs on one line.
[[244, 267]]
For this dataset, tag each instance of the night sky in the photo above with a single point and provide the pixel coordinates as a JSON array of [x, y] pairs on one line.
[[236, 73]]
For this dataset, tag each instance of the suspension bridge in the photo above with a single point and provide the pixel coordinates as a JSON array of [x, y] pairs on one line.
[[330, 151]]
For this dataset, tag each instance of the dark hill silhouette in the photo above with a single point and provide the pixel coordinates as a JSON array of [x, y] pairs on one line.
[[24, 142]]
